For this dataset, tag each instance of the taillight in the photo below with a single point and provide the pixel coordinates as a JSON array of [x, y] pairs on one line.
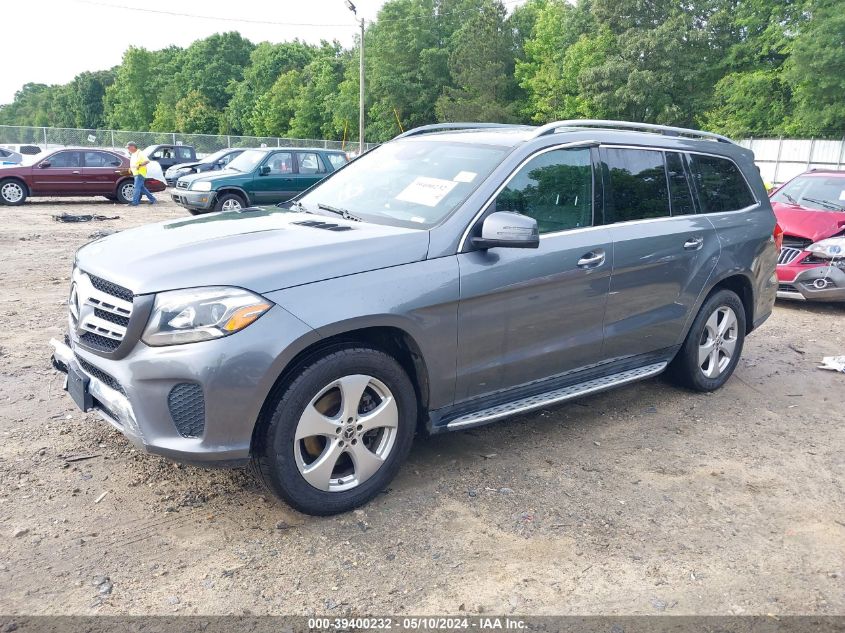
[[778, 235]]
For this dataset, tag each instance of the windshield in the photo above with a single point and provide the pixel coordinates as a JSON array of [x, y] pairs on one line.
[[247, 161], [412, 183], [814, 192], [213, 158]]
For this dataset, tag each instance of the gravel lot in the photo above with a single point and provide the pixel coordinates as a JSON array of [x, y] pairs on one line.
[[644, 500]]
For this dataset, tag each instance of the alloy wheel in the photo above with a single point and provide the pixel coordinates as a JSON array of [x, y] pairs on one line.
[[12, 192], [718, 342], [346, 433], [232, 204], [127, 191]]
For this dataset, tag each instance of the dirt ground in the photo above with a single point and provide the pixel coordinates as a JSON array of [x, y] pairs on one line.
[[644, 500]]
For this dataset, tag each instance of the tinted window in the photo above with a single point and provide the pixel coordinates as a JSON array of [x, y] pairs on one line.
[[281, 163], [637, 185], [720, 185], [4, 153], [162, 152], [101, 159], [554, 188], [65, 159], [679, 190], [310, 163], [337, 160]]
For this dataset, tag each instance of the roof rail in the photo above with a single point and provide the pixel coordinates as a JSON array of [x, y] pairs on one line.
[[666, 130], [439, 127]]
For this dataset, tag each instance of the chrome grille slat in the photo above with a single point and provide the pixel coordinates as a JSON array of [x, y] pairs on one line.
[[788, 255], [99, 311]]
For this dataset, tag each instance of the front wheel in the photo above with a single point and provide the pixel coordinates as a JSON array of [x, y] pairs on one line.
[[713, 345], [229, 202], [12, 192], [338, 433]]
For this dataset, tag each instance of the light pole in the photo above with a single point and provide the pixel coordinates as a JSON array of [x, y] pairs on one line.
[[352, 8]]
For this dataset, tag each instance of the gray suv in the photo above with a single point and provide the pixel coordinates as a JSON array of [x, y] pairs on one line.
[[457, 275]]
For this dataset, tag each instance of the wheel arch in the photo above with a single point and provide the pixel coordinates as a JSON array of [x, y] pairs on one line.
[[232, 189], [740, 285], [391, 339]]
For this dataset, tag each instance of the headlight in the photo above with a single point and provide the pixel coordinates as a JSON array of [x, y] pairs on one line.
[[831, 248], [200, 314], [204, 185]]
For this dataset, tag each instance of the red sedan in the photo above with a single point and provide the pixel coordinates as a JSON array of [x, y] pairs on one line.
[[71, 172], [810, 209]]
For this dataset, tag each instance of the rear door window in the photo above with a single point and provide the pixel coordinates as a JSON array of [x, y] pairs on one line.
[[555, 188], [720, 185], [101, 159], [184, 153], [638, 185], [310, 163]]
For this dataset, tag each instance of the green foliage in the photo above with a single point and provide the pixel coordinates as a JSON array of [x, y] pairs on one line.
[[741, 67]]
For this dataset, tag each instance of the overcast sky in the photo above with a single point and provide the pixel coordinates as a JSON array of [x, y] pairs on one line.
[[53, 40]]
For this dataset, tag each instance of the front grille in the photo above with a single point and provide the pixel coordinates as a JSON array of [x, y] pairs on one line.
[[100, 311], [790, 241], [99, 374], [788, 255], [99, 343], [111, 289], [786, 288], [187, 408], [181, 184]]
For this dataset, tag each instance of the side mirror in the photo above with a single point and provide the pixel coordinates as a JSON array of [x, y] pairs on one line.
[[264, 171], [508, 230], [44, 164]]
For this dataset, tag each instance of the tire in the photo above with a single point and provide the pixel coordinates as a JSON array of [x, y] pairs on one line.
[[229, 202], [124, 192], [313, 448], [713, 345], [12, 192]]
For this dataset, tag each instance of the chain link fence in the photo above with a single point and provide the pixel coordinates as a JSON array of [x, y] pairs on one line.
[[52, 138]]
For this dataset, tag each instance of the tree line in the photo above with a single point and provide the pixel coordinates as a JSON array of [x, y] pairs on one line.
[[739, 67]]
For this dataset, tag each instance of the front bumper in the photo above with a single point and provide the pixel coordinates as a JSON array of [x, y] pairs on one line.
[[820, 283], [233, 376], [202, 200]]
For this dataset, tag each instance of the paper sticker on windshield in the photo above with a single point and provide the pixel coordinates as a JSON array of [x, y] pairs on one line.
[[842, 195], [465, 176], [426, 191]]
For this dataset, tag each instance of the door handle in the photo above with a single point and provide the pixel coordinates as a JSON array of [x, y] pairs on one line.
[[694, 243], [76, 172], [592, 259]]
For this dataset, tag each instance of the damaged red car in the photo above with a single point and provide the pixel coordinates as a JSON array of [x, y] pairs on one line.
[[810, 209]]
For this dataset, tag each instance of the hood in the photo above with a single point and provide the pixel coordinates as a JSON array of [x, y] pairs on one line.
[[261, 250], [212, 175], [809, 224], [178, 166]]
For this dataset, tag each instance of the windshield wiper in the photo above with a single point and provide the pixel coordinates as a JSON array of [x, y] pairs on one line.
[[341, 212], [826, 203], [791, 199]]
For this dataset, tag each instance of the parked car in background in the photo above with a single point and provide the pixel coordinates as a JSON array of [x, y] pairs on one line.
[[212, 162], [169, 155], [8, 157], [810, 209], [439, 282], [27, 150], [258, 176], [71, 172]]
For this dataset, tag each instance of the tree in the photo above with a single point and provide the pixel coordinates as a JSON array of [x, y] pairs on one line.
[[481, 69], [195, 115], [816, 72], [274, 110], [750, 103], [314, 103]]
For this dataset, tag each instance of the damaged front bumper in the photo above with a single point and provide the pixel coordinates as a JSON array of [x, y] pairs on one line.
[[821, 283]]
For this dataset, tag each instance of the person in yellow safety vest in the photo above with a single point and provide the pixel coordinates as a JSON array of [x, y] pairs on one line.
[[138, 166]]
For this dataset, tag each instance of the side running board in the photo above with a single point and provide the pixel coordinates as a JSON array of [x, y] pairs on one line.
[[539, 401]]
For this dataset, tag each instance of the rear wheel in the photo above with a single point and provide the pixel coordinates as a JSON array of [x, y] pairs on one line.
[[229, 202], [125, 191], [713, 345], [338, 433], [12, 192]]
